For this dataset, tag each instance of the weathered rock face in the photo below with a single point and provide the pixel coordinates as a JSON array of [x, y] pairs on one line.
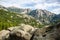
[[48, 33], [26, 32]]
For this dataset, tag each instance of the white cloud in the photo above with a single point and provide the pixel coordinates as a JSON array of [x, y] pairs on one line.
[[56, 11], [38, 1], [46, 5], [39, 6]]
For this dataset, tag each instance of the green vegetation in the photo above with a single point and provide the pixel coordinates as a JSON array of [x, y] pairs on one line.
[[9, 19]]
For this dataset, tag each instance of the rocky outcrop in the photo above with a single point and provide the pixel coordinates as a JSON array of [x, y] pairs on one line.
[[27, 32], [22, 32]]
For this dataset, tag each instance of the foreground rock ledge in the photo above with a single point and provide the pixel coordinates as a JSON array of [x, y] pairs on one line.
[[27, 32]]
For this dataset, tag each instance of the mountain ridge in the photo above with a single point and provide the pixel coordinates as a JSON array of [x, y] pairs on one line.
[[43, 16]]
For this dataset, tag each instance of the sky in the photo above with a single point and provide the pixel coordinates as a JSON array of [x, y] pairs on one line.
[[50, 5]]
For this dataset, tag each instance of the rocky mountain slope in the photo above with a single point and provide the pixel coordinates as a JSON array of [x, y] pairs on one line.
[[43, 16], [56, 18]]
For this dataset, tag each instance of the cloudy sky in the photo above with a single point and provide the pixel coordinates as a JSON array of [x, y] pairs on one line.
[[50, 5]]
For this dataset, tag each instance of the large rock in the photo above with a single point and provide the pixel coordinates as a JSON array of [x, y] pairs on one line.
[[20, 34]]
